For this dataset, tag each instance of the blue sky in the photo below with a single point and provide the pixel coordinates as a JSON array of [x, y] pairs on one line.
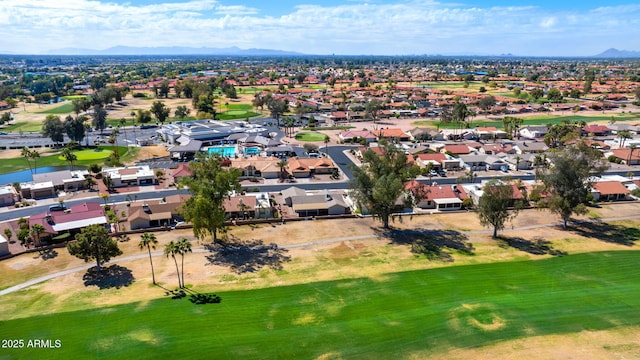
[[350, 27]]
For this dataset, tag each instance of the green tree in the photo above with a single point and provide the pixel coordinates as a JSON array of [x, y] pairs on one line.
[[496, 206], [568, 181], [181, 112], [554, 95], [26, 153], [164, 89], [372, 109], [8, 234], [536, 93], [149, 241], [143, 116], [160, 111], [379, 183], [277, 108], [209, 186], [184, 246], [94, 243], [74, 127], [99, 117], [172, 249], [53, 128], [487, 102]]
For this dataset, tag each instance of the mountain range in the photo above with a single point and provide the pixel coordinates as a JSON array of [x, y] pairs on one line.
[[172, 50], [617, 54]]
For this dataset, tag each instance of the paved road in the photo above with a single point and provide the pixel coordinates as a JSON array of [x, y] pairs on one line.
[[44, 278]]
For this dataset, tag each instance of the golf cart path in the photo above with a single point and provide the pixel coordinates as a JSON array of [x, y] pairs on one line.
[[54, 275]]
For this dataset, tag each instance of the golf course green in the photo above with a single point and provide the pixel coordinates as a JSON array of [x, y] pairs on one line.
[[397, 316]]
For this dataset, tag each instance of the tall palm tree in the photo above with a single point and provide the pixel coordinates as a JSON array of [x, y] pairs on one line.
[[34, 155], [172, 249], [26, 153], [69, 156], [326, 143], [631, 148], [184, 246], [36, 231], [149, 241]]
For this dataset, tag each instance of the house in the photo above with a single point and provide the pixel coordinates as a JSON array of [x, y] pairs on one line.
[[439, 197], [355, 135], [71, 220], [475, 162], [609, 191], [436, 160], [629, 157], [252, 206], [182, 170], [47, 184], [319, 204], [130, 175], [394, 134], [255, 166], [456, 149], [489, 132], [493, 149], [533, 132], [155, 213], [523, 147], [8, 195], [305, 167], [595, 129]]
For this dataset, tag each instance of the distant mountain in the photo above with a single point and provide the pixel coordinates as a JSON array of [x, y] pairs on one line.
[[615, 53], [171, 50]]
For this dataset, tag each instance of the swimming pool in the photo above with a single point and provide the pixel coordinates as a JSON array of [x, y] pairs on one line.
[[224, 151], [251, 150]]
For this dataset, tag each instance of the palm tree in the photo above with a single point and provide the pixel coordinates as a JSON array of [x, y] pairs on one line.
[[34, 155], [123, 123], [69, 156], [282, 165], [149, 241], [184, 246], [26, 153], [326, 143], [172, 249], [36, 231], [631, 148], [623, 135]]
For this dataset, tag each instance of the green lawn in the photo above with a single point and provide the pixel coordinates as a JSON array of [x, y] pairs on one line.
[[24, 127], [402, 315], [66, 108], [19, 163], [536, 120], [90, 154], [73, 97], [310, 136]]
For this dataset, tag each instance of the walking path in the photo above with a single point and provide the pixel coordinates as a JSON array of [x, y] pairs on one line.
[[57, 274]]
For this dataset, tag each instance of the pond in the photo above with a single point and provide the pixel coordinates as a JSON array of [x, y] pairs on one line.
[[25, 175]]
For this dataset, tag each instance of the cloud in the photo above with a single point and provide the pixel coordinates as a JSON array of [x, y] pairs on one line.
[[353, 27]]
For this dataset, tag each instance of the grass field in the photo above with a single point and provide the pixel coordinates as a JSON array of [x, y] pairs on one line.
[[310, 136], [53, 158], [536, 120], [73, 97], [66, 108], [90, 154], [413, 314], [24, 127], [237, 112]]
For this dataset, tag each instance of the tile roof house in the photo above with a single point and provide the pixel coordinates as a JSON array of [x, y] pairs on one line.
[[155, 213], [258, 166], [439, 197], [456, 149], [254, 205], [391, 134], [626, 155], [305, 167], [71, 220], [609, 191]]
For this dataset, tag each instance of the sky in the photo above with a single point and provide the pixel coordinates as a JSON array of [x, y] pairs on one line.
[[323, 27]]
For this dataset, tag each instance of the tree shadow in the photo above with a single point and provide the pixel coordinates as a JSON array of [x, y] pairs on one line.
[[535, 246], [617, 234], [47, 254], [246, 255], [434, 244], [114, 276]]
